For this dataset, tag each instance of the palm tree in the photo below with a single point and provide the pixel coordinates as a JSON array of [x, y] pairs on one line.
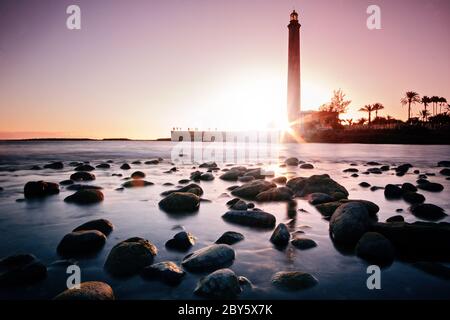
[[425, 101], [442, 102], [410, 97], [376, 107], [424, 114], [369, 109], [434, 100]]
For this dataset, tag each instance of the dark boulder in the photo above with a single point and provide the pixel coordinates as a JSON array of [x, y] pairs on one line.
[[392, 191], [431, 186], [85, 197], [408, 187], [291, 161], [293, 280], [428, 211], [397, 218], [180, 202], [82, 176], [419, 240], [275, 194], [251, 189], [182, 241], [209, 258], [316, 183], [138, 175], [90, 291], [349, 222], [54, 165], [253, 218], [84, 167], [192, 188], [445, 172], [125, 166], [103, 166], [306, 166], [279, 180], [221, 284], [375, 248], [39, 189], [280, 236], [102, 225], [130, 257], [80, 243], [364, 184], [21, 270], [230, 237], [413, 197], [318, 198], [66, 182], [137, 183], [167, 271], [303, 243]]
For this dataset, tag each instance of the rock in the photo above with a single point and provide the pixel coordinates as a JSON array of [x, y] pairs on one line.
[[373, 163], [251, 189], [428, 211], [75, 163], [85, 197], [351, 170], [431, 186], [245, 179], [280, 236], [306, 166], [221, 284], [82, 176], [130, 257], [125, 166], [167, 271], [303, 243], [251, 218], [279, 180], [102, 225], [103, 166], [375, 248], [316, 183], [293, 280], [385, 168], [275, 194], [182, 241], [349, 222], [250, 205], [245, 282], [328, 208], [209, 258], [402, 169], [1, 189], [21, 270], [184, 181], [422, 181], [91, 290], [231, 175], [76, 187], [444, 164], [374, 170], [66, 183], [138, 175], [392, 191], [364, 184], [419, 240], [231, 188], [230, 237], [375, 188], [397, 218], [136, 162], [239, 205], [137, 183], [408, 187], [35, 168], [209, 165], [39, 189], [54, 165], [192, 188], [291, 161], [180, 202], [152, 161], [255, 173], [84, 167], [445, 172], [355, 175], [206, 176], [413, 197], [233, 201], [318, 198], [80, 243]]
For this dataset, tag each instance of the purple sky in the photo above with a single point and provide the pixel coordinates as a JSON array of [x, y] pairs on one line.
[[138, 68]]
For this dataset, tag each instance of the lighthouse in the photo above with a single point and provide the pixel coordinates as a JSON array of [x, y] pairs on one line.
[[293, 90]]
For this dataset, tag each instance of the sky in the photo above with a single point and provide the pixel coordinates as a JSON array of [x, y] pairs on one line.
[[138, 68]]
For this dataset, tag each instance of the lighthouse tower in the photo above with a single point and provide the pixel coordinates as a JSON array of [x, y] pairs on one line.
[[293, 95]]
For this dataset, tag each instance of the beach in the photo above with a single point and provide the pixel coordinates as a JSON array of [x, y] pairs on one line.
[[36, 226]]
